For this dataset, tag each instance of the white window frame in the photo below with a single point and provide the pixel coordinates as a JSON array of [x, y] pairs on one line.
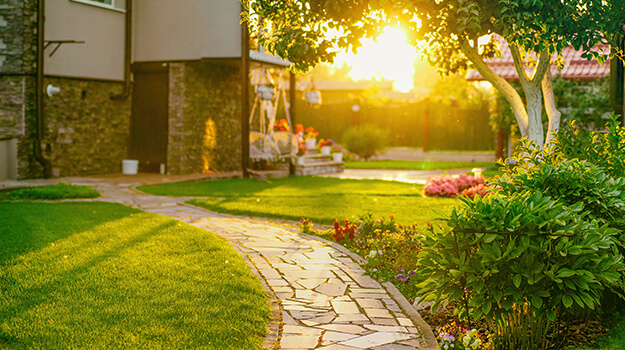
[[110, 6]]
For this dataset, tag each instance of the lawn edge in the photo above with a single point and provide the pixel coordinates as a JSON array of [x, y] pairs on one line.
[[274, 326]]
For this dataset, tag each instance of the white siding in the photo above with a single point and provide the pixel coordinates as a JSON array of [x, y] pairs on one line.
[[103, 30], [167, 30]]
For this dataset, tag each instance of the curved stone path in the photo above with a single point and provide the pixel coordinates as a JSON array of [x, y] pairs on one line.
[[323, 299]]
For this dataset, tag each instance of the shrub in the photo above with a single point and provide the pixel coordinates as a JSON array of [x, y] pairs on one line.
[[365, 140], [519, 260], [450, 186], [604, 149]]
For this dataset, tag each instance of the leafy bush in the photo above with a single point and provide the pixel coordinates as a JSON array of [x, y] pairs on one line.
[[365, 140], [573, 181], [523, 255], [450, 186], [604, 149], [58, 191]]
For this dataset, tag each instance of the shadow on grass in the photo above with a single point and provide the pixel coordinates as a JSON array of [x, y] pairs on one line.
[[52, 222]]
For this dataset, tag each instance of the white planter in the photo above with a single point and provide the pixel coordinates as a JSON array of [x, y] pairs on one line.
[[130, 167], [338, 157], [301, 160], [325, 150], [311, 143]]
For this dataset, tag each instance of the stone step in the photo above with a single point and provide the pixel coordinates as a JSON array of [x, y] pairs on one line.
[[319, 167], [310, 158]]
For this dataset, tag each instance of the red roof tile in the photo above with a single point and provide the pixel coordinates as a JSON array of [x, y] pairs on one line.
[[575, 67]]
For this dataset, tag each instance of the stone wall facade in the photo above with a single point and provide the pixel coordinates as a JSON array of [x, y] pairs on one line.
[[18, 67], [204, 118], [86, 131]]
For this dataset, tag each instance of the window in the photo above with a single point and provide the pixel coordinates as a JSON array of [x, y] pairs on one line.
[[107, 4]]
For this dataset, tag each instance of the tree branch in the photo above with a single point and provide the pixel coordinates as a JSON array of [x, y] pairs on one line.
[[510, 94], [544, 62], [518, 64]]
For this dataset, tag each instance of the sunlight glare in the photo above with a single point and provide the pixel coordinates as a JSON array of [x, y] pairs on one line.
[[388, 57]]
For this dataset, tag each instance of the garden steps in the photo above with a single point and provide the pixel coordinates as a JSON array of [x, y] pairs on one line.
[[315, 164]]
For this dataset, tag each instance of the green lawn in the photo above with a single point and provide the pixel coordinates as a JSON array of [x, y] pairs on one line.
[[413, 165], [106, 276], [320, 198], [58, 191]]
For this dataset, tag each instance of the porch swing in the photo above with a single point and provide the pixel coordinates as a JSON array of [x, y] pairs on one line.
[[267, 143]]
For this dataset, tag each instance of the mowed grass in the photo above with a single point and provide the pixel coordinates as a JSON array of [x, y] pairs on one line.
[[78, 275], [413, 165], [58, 191], [321, 199]]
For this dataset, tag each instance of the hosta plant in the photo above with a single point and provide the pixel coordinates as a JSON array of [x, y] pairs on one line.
[[520, 255]]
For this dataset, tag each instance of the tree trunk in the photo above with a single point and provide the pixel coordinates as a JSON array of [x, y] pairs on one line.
[[550, 107], [534, 103], [509, 93]]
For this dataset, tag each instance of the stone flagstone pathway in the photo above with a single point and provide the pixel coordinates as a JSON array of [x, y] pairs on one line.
[[325, 300]]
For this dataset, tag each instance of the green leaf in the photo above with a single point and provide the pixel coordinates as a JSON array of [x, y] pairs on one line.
[[455, 273], [537, 301], [567, 301], [517, 280], [551, 315]]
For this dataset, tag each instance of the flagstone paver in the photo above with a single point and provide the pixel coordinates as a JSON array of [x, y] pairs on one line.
[[327, 302]]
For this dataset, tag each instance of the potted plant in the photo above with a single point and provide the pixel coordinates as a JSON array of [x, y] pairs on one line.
[[301, 152], [310, 137], [337, 153], [325, 146], [282, 125]]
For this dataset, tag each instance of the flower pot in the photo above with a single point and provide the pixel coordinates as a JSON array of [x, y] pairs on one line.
[[338, 157], [301, 160], [311, 143], [325, 150], [130, 166]]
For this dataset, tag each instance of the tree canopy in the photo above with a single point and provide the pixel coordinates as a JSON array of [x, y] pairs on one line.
[[447, 31]]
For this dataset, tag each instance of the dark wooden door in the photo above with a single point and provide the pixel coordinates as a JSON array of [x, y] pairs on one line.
[[149, 126]]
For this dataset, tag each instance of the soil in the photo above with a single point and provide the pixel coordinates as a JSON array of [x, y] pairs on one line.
[[573, 332]]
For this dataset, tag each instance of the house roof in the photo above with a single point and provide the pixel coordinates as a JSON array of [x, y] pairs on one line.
[[575, 67], [262, 57]]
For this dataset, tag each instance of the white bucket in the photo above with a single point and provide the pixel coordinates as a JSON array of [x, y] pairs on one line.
[[130, 166]]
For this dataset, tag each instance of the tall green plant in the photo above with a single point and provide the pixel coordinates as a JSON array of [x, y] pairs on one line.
[[526, 251]]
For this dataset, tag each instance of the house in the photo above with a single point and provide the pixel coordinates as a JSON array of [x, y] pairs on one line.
[[164, 82]]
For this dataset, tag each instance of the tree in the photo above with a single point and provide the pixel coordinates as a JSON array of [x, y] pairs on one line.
[[447, 32]]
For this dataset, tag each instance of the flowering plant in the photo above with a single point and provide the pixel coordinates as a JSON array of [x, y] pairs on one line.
[[336, 149], [299, 128], [450, 186], [480, 189], [310, 133], [282, 125], [306, 224], [301, 149], [452, 336], [328, 142]]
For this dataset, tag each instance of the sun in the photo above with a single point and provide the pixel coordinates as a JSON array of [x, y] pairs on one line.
[[388, 57]]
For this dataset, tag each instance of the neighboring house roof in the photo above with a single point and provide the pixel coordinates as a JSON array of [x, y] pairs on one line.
[[262, 57], [575, 67], [330, 85]]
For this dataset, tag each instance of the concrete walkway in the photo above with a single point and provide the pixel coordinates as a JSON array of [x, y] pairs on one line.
[[321, 297]]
